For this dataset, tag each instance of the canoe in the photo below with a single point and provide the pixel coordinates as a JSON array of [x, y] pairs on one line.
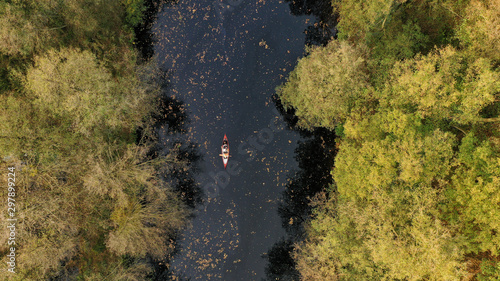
[[225, 151]]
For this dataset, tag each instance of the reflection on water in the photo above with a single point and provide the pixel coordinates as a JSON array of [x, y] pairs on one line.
[[315, 156], [324, 29], [170, 127], [281, 263], [225, 59]]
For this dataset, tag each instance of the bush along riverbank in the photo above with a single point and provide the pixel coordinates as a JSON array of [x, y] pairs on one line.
[[91, 202], [411, 89]]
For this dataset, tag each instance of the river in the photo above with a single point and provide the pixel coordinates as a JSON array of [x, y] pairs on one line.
[[225, 59]]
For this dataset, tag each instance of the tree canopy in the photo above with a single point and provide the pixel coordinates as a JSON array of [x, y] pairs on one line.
[[327, 85], [412, 89], [91, 203]]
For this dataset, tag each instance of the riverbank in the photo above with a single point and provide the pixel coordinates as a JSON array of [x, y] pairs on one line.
[[411, 91], [91, 199]]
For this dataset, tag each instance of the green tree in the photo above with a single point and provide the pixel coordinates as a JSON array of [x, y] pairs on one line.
[[479, 30], [417, 171], [71, 85], [334, 247], [358, 18], [444, 85], [144, 213], [385, 221], [91, 205], [327, 85], [134, 10], [474, 195], [29, 28]]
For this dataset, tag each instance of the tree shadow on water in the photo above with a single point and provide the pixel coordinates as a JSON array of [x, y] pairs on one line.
[[166, 133], [324, 28], [315, 157], [288, 115], [281, 264], [184, 155], [172, 114], [144, 38], [180, 174], [168, 140]]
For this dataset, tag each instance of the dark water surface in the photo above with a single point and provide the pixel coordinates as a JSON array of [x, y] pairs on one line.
[[226, 58]]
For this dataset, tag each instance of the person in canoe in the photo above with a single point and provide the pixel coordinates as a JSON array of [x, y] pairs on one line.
[[225, 151]]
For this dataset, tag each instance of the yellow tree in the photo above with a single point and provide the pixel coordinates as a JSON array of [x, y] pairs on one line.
[[327, 85], [445, 84], [72, 85]]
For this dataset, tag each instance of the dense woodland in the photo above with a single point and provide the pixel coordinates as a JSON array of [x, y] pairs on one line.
[[412, 90], [90, 201]]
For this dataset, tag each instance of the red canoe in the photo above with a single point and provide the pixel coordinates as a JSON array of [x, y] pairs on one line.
[[225, 151]]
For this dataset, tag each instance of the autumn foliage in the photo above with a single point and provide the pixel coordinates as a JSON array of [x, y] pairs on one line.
[[412, 88], [91, 203]]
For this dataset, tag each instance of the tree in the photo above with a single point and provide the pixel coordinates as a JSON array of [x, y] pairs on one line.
[[334, 248], [144, 213], [357, 18], [71, 85], [474, 195], [443, 85], [27, 28], [327, 85], [90, 202], [479, 31], [384, 223], [417, 172]]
